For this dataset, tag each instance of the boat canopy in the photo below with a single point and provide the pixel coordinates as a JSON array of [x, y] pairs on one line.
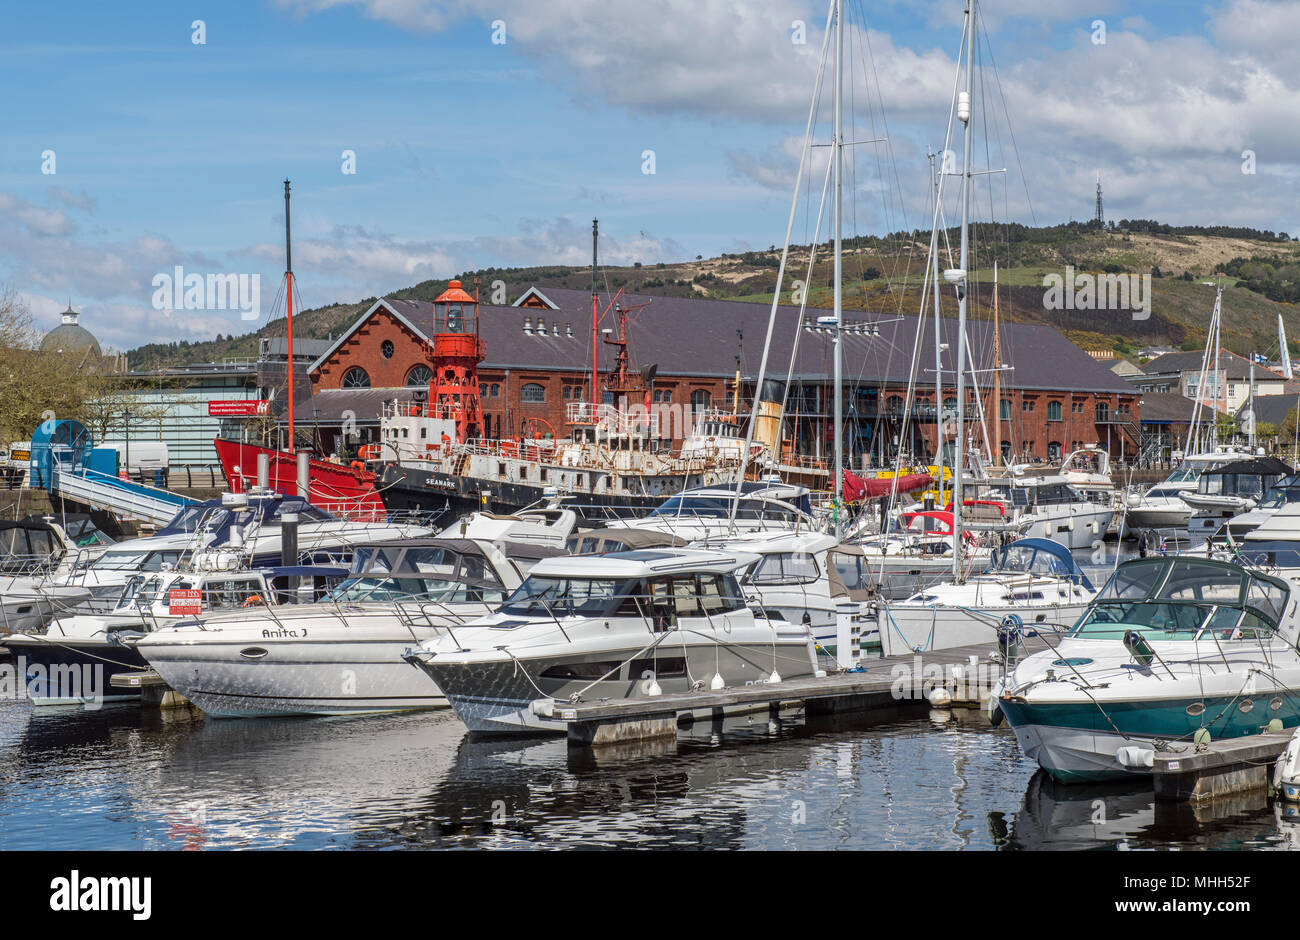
[[1037, 556], [1179, 597]]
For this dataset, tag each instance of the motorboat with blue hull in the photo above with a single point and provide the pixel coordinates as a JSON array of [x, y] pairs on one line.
[[611, 627], [73, 661], [1173, 651]]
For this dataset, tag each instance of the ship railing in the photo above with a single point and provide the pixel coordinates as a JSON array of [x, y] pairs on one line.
[[613, 420]]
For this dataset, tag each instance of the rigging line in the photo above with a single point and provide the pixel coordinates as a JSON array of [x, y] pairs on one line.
[[780, 273], [1015, 148], [803, 305]]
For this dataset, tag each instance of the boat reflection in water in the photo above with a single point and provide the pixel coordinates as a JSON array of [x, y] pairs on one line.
[[1115, 816]]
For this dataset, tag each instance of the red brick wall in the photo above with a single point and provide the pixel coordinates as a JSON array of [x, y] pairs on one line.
[[504, 411]]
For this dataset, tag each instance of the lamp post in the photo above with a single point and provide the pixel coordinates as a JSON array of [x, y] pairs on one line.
[[126, 422]]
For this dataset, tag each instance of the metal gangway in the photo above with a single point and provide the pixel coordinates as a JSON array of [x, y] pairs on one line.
[[124, 498]]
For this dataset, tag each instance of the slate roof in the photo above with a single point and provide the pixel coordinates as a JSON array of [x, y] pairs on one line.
[[687, 336], [1166, 408], [1237, 367]]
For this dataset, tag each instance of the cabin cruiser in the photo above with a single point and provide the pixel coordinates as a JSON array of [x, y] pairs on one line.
[[917, 551], [548, 526], [1282, 493], [1033, 581], [606, 541], [74, 659], [1161, 506], [30, 551], [1230, 489], [1050, 508], [1088, 471], [344, 654], [611, 627], [239, 530], [808, 579], [706, 513], [1172, 653]]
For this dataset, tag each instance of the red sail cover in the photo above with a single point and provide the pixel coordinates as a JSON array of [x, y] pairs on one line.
[[856, 488]]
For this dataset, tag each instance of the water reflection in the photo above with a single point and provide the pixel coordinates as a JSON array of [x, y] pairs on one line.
[[126, 778]]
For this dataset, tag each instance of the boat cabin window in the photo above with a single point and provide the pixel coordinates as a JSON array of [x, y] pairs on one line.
[[853, 571], [232, 594], [543, 596], [784, 568], [191, 517]]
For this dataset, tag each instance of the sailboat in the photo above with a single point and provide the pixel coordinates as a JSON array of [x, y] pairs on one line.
[[1162, 506]]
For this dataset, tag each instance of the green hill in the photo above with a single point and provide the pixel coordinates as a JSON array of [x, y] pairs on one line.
[[884, 275]]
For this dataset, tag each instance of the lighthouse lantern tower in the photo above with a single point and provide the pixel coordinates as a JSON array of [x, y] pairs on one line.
[[454, 354]]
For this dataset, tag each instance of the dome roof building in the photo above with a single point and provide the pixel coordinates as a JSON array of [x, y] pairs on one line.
[[73, 341]]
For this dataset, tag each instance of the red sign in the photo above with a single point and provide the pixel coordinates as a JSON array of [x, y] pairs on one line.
[[241, 407], [183, 603]]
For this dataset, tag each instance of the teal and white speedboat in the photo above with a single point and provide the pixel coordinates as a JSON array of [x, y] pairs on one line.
[[1170, 651]]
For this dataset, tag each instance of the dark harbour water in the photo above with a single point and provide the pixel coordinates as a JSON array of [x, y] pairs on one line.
[[123, 778], [127, 778]]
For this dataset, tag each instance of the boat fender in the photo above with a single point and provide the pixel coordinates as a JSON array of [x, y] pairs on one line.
[[1010, 631], [543, 707], [993, 711], [1286, 772], [1136, 757], [1138, 648], [939, 697]]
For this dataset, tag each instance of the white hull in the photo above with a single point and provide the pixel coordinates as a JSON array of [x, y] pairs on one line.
[[1074, 752], [311, 679], [915, 627], [1071, 529]]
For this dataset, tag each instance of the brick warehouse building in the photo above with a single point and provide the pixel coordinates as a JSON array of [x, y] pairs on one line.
[[1055, 397]]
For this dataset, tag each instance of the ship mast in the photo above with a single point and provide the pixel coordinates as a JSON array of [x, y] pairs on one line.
[[288, 295], [938, 345], [960, 278], [997, 376], [837, 155], [595, 321]]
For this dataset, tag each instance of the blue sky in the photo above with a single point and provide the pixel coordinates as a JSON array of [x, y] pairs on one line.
[[470, 153]]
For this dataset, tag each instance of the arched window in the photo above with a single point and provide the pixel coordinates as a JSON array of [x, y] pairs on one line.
[[1004, 409], [701, 399], [1054, 450], [532, 392], [894, 404], [356, 377], [1053, 411], [419, 375], [1102, 412], [386, 349]]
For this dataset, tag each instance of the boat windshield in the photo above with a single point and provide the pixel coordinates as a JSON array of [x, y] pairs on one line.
[[1178, 598], [189, 518], [1026, 559], [439, 590], [719, 507], [557, 596], [135, 560], [1283, 492]]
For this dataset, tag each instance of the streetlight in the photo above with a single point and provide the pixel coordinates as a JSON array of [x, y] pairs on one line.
[[126, 421]]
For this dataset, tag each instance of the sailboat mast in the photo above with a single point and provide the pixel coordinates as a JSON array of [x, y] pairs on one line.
[[288, 294], [963, 284], [997, 377], [837, 151], [595, 319], [938, 345]]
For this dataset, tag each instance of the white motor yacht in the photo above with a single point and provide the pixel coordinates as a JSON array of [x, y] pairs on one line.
[[718, 513], [610, 627], [1229, 490], [1050, 508], [344, 654], [1161, 506], [72, 661]]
